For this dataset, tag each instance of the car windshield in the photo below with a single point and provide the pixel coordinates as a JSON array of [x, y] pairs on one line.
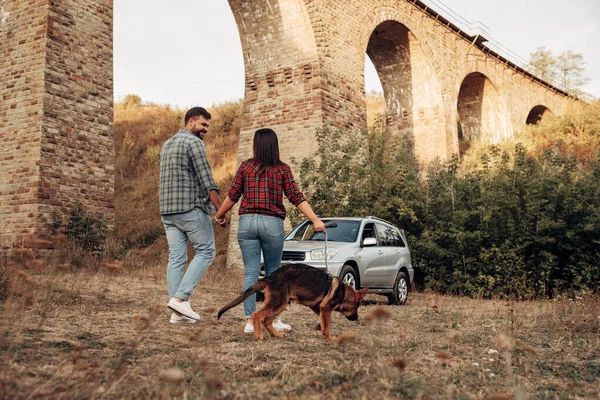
[[337, 231]]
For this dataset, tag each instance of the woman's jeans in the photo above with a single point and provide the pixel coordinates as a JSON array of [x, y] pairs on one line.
[[258, 232], [194, 226]]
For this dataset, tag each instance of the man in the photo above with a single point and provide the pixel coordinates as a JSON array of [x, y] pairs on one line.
[[188, 194]]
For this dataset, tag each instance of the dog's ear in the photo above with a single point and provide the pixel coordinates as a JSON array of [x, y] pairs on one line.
[[360, 294]]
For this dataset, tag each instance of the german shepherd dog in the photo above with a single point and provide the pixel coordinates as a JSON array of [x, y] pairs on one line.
[[302, 284]]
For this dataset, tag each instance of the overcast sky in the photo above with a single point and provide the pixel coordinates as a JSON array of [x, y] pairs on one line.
[[188, 52]]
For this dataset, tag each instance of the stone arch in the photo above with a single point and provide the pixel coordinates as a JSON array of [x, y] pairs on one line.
[[412, 92], [282, 69], [482, 114], [264, 25], [378, 15], [538, 113]]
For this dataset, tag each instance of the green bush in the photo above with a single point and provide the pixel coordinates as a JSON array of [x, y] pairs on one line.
[[86, 231], [521, 222]]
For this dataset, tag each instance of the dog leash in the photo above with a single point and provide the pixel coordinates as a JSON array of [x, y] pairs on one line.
[[326, 254]]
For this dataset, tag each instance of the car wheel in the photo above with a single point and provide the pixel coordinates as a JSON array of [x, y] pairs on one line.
[[348, 276], [399, 294]]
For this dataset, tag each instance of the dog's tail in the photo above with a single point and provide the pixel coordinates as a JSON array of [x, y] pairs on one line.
[[249, 292]]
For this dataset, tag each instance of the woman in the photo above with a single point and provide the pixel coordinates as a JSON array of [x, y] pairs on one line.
[[261, 181]]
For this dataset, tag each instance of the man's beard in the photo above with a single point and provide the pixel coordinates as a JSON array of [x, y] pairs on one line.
[[200, 133]]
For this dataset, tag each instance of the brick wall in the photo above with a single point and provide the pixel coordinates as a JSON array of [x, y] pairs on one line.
[[56, 128], [77, 149], [22, 63]]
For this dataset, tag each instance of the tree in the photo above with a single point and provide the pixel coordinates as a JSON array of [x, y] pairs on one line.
[[543, 64], [565, 71], [132, 101], [571, 67]]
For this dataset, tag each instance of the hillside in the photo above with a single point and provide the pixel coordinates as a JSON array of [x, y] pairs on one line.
[[140, 130]]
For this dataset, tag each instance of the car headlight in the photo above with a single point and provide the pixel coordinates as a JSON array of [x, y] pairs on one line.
[[319, 254]]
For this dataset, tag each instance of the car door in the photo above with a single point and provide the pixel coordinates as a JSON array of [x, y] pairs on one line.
[[372, 259], [399, 254], [386, 235]]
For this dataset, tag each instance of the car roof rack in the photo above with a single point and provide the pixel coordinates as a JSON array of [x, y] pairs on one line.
[[379, 219]]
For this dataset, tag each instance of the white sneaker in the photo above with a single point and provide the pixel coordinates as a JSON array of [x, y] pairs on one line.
[[183, 308], [249, 328], [181, 319], [277, 324], [280, 326]]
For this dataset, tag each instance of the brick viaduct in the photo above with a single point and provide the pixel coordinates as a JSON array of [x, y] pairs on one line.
[[304, 66]]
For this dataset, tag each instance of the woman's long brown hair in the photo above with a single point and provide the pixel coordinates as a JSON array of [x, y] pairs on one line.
[[266, 148]]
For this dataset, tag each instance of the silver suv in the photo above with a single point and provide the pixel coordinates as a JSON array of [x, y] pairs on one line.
[[362, 252]]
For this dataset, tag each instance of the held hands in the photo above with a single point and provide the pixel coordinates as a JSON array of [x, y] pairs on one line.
[[222, 221], [220, 215]]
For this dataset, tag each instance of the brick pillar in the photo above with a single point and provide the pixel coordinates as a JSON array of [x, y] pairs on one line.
[[56, 121], [22, 60]]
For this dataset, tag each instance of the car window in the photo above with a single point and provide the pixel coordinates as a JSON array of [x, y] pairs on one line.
[[369, 231], [300, 232], [337, 231], [385, 234], [398, 242]]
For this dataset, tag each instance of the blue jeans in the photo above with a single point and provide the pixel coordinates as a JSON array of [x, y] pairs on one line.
[[258, 232], [194, 226]]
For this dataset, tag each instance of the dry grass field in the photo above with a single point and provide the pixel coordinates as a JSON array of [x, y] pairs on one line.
[[103, 333]]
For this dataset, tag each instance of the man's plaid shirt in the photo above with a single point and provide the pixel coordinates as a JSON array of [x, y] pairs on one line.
[[263, 191], [185, 175]]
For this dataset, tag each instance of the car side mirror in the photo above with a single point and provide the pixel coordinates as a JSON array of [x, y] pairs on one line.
[[370, 241]]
